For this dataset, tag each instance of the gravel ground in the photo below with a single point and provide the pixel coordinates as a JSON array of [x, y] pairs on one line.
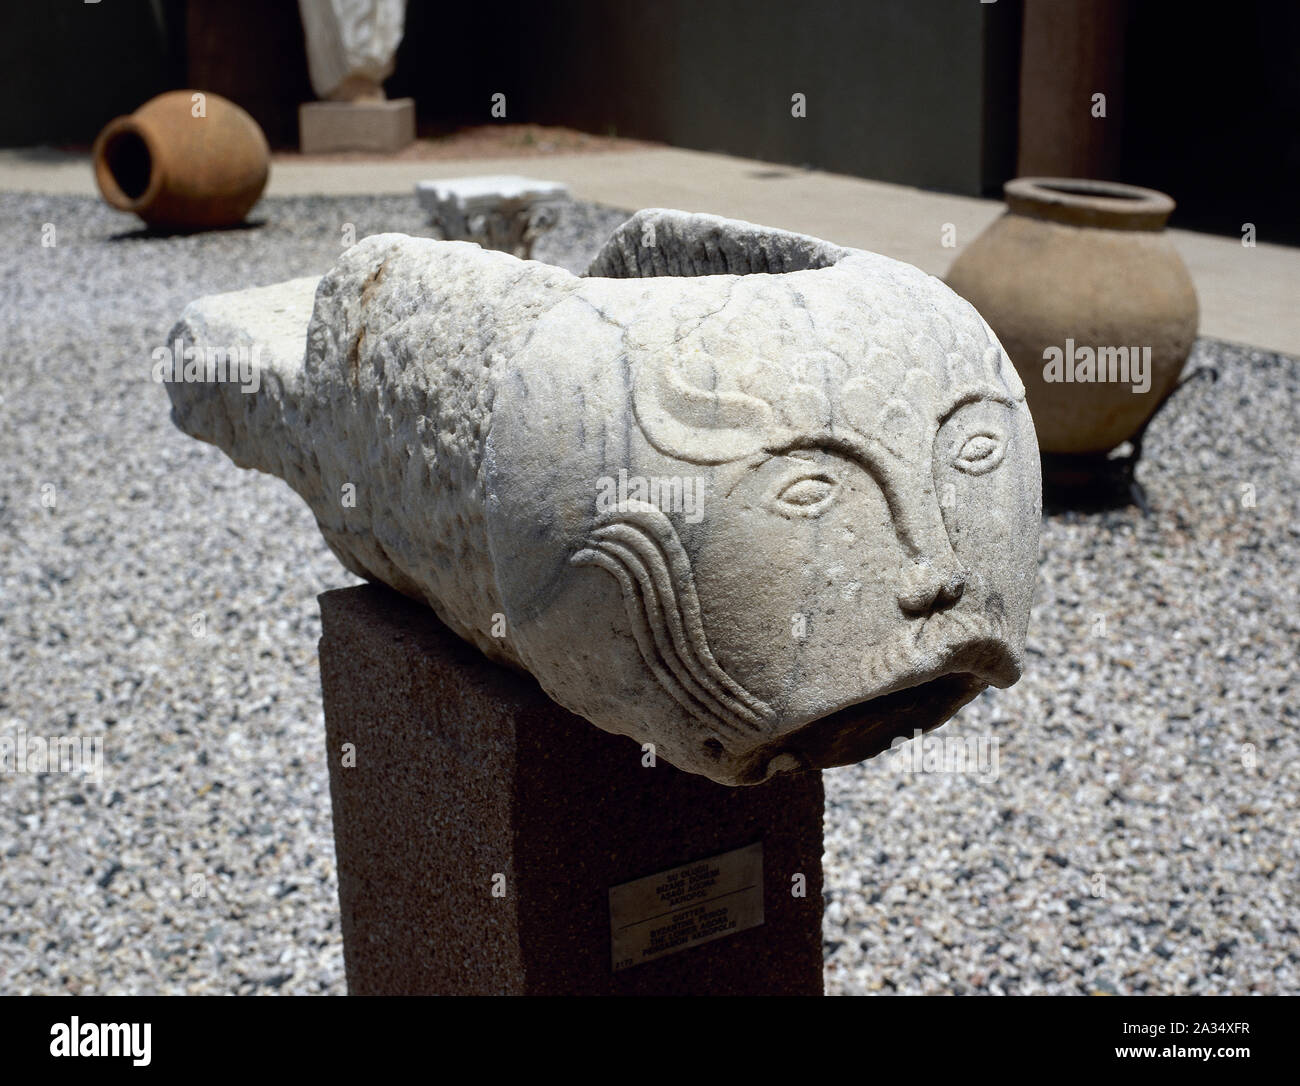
[[1137, 836]]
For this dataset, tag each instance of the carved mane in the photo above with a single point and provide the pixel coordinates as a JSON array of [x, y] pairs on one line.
[[639, 547]]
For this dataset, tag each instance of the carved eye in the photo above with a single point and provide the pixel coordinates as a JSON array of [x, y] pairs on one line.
[[806, 496], [980, 452]]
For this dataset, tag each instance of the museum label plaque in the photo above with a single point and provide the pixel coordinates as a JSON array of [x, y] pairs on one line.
[[686, 906]]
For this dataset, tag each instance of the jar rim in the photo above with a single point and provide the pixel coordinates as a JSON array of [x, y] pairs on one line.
[[1082, 201], [120, 130]]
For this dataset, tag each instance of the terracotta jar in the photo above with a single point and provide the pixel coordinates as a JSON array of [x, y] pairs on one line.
[[182, 171], [1091, 301]]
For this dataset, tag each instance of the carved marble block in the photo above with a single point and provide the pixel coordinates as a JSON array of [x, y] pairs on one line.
[[500, 212], [351, 45], [759, 500]]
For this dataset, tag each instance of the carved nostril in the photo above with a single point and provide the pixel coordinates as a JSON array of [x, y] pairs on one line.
[[920, 588], [955, 585], [925, 588]]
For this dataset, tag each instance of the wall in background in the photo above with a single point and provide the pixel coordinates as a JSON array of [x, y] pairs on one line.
[[254, 53], [895, 89], [1212, 113], [67, 68], [919, 92]]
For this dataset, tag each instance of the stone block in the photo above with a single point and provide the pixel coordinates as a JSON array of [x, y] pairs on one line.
[[468, 778], [383, 125]]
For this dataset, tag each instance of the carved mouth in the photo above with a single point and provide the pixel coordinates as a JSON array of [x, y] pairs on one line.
[[864, 730], [952, 640], [869, 725]]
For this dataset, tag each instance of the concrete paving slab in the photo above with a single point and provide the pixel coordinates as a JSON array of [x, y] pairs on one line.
[[1247, 295]]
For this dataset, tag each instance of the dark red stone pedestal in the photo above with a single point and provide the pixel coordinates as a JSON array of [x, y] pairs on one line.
[[465, 770]]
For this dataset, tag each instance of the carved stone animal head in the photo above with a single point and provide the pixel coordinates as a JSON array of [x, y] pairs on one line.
[[759, 501], [795, 510]]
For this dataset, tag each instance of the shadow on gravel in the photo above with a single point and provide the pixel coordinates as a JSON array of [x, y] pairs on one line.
[[1090, 484], [144, 232], [1105, 482]]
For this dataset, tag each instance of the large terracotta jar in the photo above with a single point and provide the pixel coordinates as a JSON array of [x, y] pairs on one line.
[[183, 162], [1091, 301]]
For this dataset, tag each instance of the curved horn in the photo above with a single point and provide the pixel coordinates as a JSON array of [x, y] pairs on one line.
[[691, 423]]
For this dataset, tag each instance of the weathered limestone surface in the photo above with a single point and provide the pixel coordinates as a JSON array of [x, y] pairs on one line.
[[762, 501]]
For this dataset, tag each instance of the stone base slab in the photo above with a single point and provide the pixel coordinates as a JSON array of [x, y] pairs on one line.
[[497, 211], [387, 125], [467, 779]]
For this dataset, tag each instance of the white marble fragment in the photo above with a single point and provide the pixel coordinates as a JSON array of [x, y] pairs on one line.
[[498, 211], [759, 500], [351, 45]]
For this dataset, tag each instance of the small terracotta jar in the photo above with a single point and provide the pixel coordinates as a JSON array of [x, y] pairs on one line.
[[1090, 300], [182, 162]]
